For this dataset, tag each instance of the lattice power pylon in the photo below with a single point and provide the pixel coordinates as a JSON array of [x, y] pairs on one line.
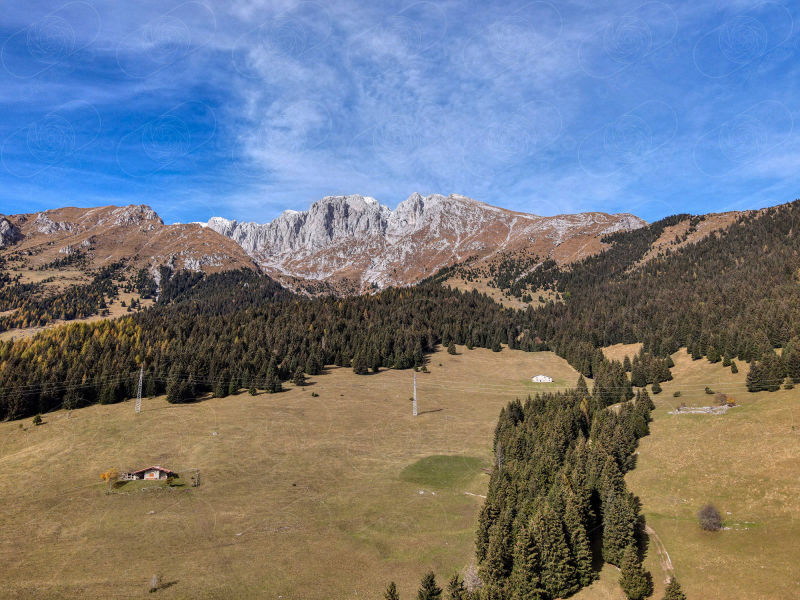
[[138, 408]]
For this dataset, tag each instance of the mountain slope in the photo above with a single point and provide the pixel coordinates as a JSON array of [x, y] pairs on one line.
[[96, 237], [357, 243]]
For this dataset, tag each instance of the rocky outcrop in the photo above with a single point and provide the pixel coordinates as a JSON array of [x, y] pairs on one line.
[[9, 233], [358, 239]]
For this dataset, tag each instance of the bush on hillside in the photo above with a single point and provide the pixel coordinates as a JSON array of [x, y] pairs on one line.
[[709, 518]]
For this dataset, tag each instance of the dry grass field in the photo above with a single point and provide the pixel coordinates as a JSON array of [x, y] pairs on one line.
[[620, 351], [300, 497], [333, 496], [746, 463]]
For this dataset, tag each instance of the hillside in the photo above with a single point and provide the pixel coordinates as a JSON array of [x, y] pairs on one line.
[[97, 237], [745, 463], [290, 484]]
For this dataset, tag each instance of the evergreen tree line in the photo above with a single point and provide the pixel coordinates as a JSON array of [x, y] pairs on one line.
[[240, 330], [557, 491], [734, 294], [557, 505]]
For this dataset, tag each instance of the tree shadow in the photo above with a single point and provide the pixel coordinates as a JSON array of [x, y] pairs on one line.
[[165, 585], [431, 410]]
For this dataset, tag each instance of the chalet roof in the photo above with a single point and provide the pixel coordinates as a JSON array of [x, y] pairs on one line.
[[157, 468]]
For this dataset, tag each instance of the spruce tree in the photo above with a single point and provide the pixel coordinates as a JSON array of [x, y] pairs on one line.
[[428, 590], [451, 348], [578, 542], [619, 521], [273, 382], [456, 589], [756, 377], [634, 580], [360, 366], [391, 592], [299, 378], [524, 583], [581, 387], [674, 591], [656, 388], [558, 574]]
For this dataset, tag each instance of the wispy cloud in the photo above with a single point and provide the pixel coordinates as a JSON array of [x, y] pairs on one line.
[[247, 108]]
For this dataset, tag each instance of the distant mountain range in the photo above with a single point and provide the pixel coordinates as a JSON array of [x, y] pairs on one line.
[[346, 244]]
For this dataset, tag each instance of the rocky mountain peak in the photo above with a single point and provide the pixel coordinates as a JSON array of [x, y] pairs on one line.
[[356, 238]]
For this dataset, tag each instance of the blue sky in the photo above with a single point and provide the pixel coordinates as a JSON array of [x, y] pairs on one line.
[[246, 108]]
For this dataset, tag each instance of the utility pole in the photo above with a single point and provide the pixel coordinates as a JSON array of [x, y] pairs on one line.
[[414, 407], [138, 408]]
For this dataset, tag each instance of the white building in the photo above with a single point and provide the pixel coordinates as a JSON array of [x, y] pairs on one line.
[[542, 379]]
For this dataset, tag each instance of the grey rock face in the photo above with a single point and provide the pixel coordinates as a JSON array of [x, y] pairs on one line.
[[359, 234], [9, 233]]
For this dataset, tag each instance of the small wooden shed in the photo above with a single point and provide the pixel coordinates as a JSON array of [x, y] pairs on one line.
[[154, 472]]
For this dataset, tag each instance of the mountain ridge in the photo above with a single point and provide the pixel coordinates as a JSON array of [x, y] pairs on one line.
[[357, 240]]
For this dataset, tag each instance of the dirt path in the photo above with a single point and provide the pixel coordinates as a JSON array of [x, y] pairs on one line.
[[661, 550]]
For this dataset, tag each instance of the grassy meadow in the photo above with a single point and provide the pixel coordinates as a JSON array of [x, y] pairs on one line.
[[333, 495], [301, 497], [746, 463]]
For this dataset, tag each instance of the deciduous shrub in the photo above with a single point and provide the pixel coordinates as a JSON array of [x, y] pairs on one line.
[[709, 518]]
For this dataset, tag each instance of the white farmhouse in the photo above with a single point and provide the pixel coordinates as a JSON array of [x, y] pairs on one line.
[[542, 379]]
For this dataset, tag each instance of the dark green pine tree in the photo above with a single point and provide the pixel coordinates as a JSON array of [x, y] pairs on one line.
[[360, 364], [428, 590], [314, 364], [656, 387], [391, 592], [220, 389], [674, 591], [619, 521], [524, 583], [299, 378], [791, 360], [611, 478], [273, 382], [633, 579], [774, 371], [578, 542], [638, 375], [713, 354], [232, 389], [734, 368], [559, 578], [451, 348], [497, 563], [756, 377], [581, 387], [456, 589]]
